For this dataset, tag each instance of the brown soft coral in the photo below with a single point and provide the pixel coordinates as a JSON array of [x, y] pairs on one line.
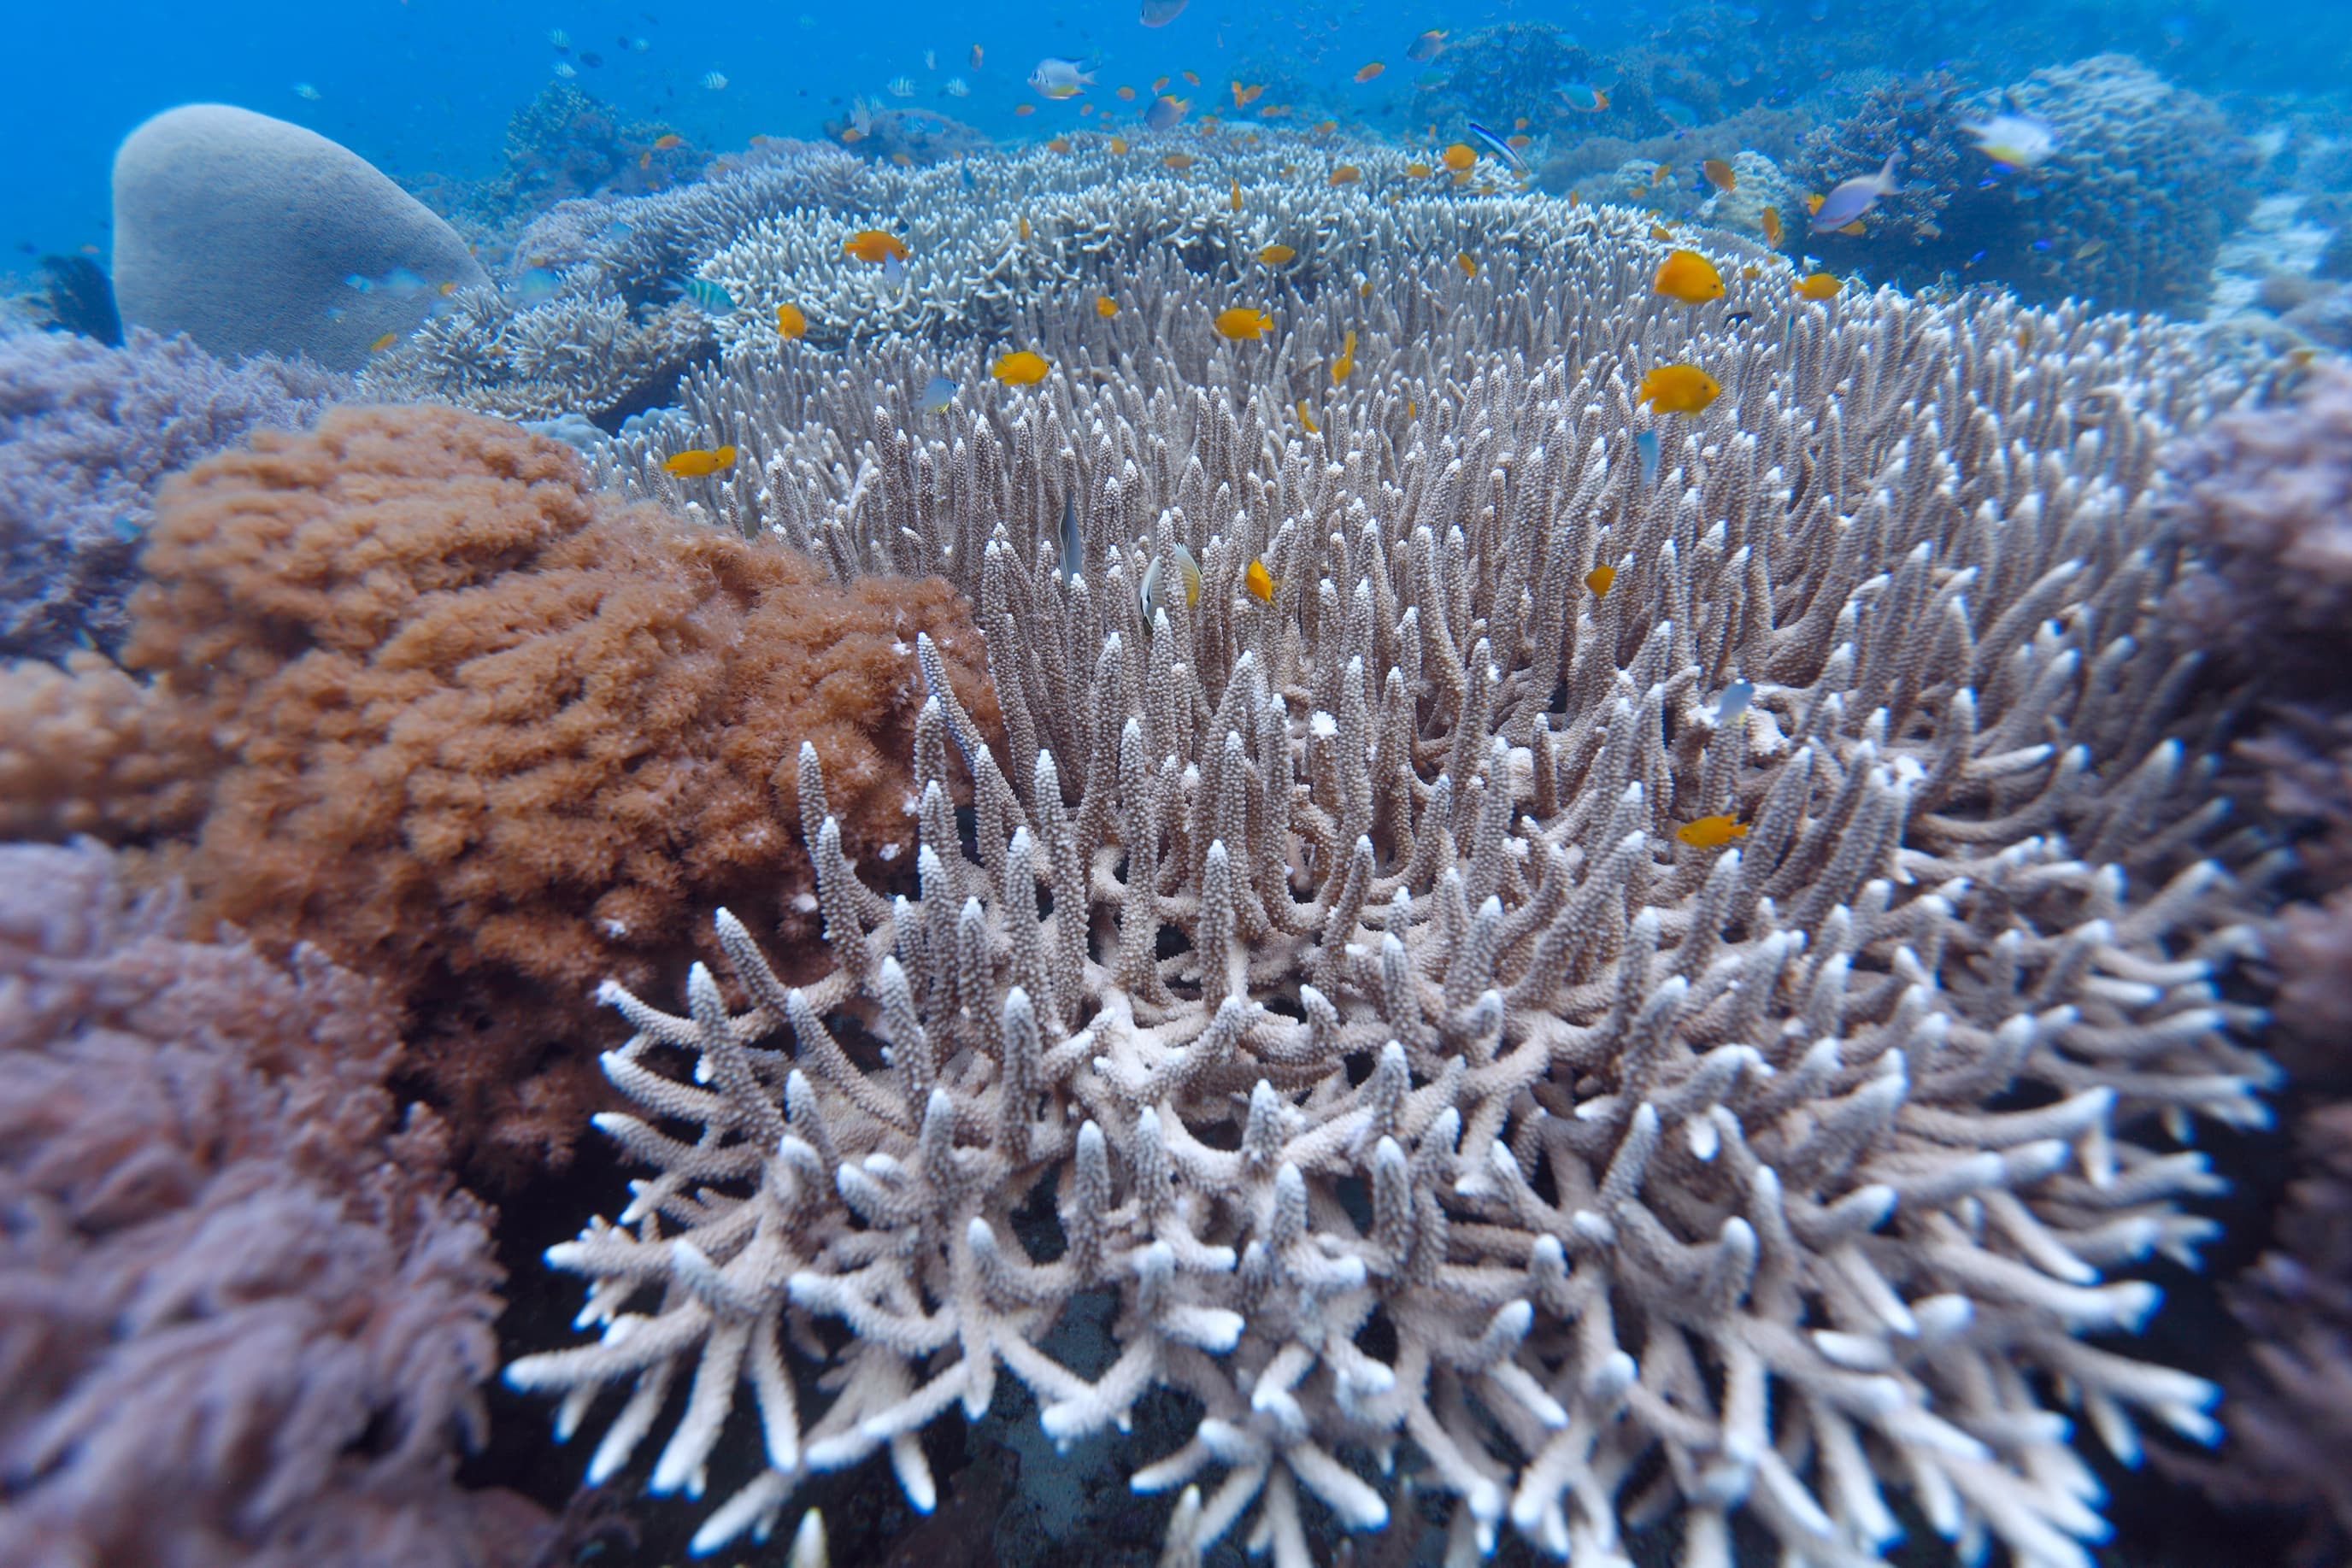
[[478, 731]]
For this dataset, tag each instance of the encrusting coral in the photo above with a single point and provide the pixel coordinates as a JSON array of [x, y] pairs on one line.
[[249, 1315], [419, 697], [1708, 1043]]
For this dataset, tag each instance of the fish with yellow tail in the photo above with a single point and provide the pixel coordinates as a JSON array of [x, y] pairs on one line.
[[1712, 832], [791, 323], [699, 464], [1188, 574], [1687, 276], [875, 246], [1259, 582], [1345, 365], [1679, 389], [1849, 199], [1056, 77], [1820, 287], [1105, 307]]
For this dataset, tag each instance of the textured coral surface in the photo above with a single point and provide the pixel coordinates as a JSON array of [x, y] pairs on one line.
[[246, 1314], [477, 732], [1707, 1047]]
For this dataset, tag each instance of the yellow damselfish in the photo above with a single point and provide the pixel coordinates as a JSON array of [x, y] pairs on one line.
[[1345, 365], [790, 322], [1820, 286], [1688, 277], [1679, 389], [1599, 578], [697, 464], [1712, 832], [1259, 580], [1242, 322], [1105, 307], [1020, 367]]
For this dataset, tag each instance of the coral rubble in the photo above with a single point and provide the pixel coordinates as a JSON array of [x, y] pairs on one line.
[[1451, 1030]]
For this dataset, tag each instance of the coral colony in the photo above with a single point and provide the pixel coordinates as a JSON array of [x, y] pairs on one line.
[[1418, 865]]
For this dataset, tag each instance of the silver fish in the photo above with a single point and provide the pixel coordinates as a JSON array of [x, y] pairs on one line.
[[1058, 78], [1849, 199]]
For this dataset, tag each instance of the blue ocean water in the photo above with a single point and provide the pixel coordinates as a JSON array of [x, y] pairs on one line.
[[424, 87]]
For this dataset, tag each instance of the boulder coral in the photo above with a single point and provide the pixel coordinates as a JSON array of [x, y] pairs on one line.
[[244, 232], [425, 700]]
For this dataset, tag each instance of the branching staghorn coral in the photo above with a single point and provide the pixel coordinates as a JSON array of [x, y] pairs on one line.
[[1417, 1091]]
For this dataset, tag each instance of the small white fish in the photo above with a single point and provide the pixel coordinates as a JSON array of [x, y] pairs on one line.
[[894, 272], [930, 59], [714, 82], [559, 37], [938, 394], [565, 69], [639, 45], [1734, 701], [901, 87], [1058, 78], [958, 87], [2020, 141], [304, 89]]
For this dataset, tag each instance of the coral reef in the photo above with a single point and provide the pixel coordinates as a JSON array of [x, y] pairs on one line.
[[420, 698], [248, 1316], [2263, 510], [242, 231], [87, 434], [566, 144], [2128, 212], [1403, 994], [906, 136]]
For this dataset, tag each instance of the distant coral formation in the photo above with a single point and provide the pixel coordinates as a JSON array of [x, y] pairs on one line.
[[87, 434], [248, 1315], [425, 700], [2127, 213], [568, 143]]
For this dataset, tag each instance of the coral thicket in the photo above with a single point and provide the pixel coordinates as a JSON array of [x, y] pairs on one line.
[[247, 1313], [435, 707]]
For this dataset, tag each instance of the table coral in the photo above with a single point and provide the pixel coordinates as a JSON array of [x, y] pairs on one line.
[[475, 730]]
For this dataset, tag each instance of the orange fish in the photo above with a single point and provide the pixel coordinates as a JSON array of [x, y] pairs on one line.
[[1307, 419], [1599, 578], [1085, 110], [1233, 200], [902, 160], [1345, 174], [1660, 231], [1127, 93], [1105, 307], [1719, 174], [1119, 143], [1246, 96], [848, 133], [1158, 83], [1276, 255], [1367, 72], [1711, 832], [697, 464], [790, 322], [1688, 277], [1519, 143], [664, 142], [975, 57], [1460, 157], [645, 160], [1179, 162], [1467, 263], [1679, 389], [381, 344], [1192, 76], [1325, 127], [1417, 170], [1024, 228], [1244, 323], [1771, 220], [1257, 579], [874, 245], [1024, 108], [1342, 367], [1820, 286], [1058, 144], [1020, 367]]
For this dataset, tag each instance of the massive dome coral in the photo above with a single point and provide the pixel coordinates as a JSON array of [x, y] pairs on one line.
[[1709, 1047]]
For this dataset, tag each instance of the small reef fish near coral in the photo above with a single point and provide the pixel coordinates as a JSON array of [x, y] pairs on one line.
[[1668, 882]]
